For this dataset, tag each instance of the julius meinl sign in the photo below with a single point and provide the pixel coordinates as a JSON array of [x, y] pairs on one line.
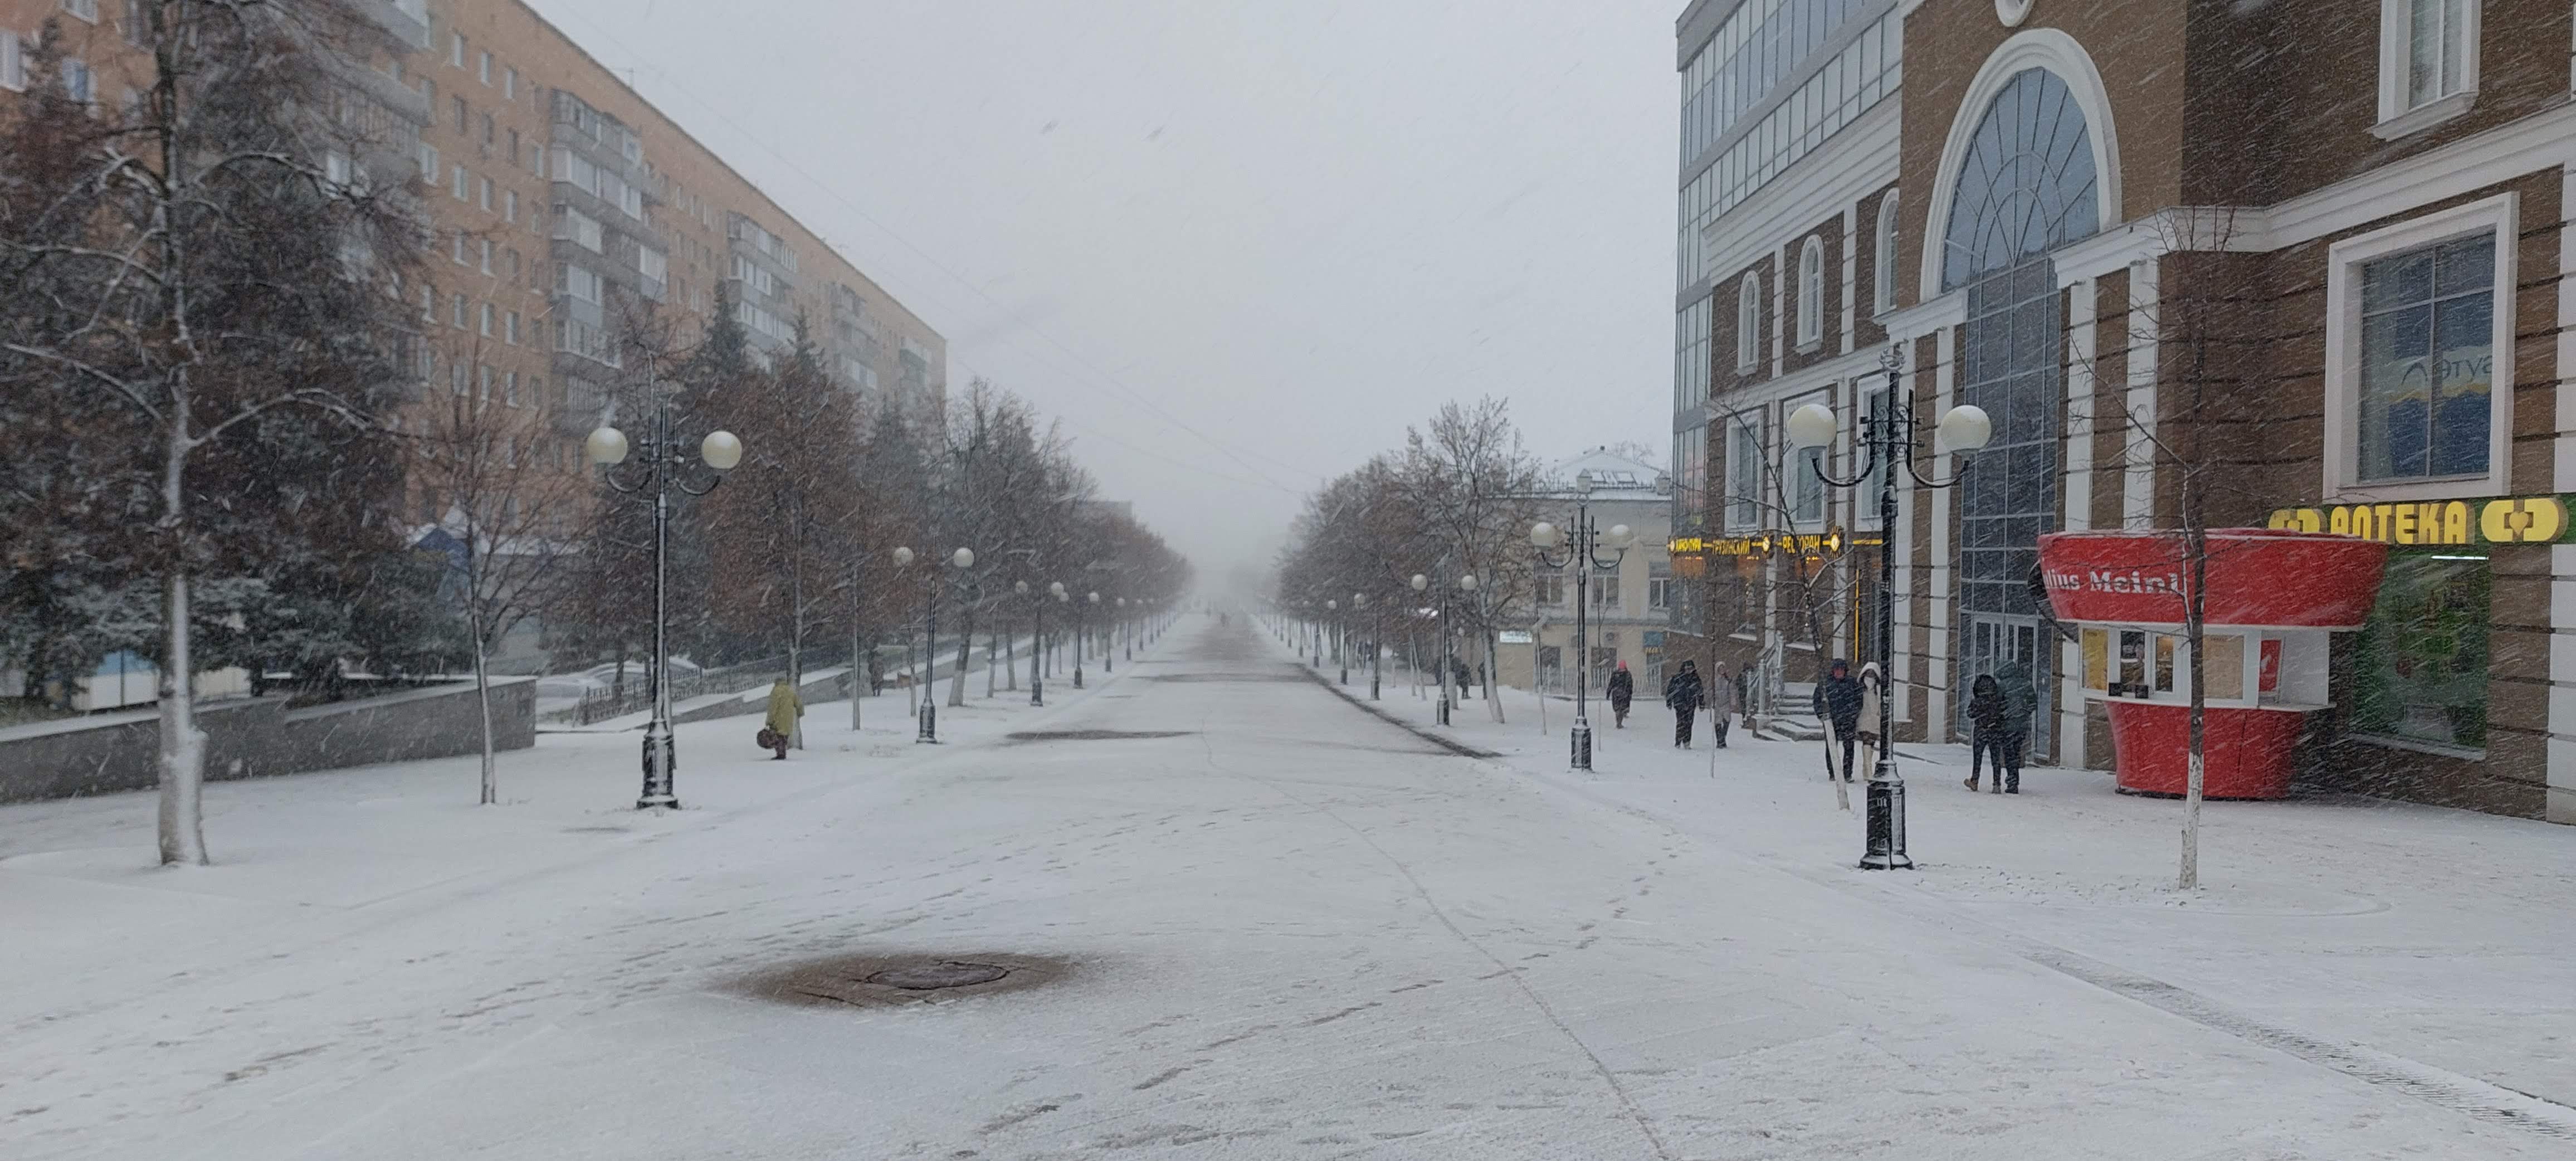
[[2433, 523]]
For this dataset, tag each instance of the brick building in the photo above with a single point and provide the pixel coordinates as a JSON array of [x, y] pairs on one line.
[[2312, 251], [554, 192]]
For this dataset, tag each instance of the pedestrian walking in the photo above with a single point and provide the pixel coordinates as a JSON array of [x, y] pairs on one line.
[[784, 708], [1723, 701], [2021, 700], [1623, 689], [1684, 693], [1985, 729], [1838, 699]]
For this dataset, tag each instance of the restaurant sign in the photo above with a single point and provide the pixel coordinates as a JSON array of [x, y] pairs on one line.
[[2505, 520]]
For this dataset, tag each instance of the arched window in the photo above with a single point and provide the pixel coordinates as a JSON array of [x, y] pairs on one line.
[[1748, 322], [2027, 184], [1883, 258], [1811, 292]]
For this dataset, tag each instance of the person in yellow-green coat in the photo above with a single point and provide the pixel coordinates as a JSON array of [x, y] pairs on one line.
[[784, 708]]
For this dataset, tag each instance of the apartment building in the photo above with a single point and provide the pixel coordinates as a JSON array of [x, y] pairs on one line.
[[2341, 222], [558, 197]]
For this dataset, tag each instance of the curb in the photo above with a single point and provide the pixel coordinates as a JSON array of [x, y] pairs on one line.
[[1452, 745]]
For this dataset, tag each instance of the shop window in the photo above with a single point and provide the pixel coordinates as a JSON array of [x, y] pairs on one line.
[[2420, 665], [2416, 343], [2222, 670]]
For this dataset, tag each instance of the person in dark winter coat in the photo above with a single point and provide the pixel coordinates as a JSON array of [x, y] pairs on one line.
[[1985, 729], [2021, 700], [1623, 689], [1684, 693], [1838, 699]]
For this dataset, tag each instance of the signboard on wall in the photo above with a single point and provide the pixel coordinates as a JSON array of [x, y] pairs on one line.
[[2456, 523]]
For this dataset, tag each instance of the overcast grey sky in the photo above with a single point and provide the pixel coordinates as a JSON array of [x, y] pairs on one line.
[[1248, 241]]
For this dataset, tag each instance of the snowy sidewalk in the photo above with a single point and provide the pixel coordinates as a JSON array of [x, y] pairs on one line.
[[2436, 935]]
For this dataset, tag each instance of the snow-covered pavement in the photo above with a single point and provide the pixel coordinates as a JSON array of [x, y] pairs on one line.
[[1293, 930]]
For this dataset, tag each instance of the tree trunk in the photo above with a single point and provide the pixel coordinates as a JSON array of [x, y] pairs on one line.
[[1491, 648], [992, 647], [860, 682], [965, 657], [483, 700], [2196, 544], [183, 745]]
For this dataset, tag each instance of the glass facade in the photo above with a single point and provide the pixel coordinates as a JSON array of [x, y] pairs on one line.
[[2027, 184]]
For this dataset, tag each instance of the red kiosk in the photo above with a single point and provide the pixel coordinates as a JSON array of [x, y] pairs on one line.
[[2274, 596]]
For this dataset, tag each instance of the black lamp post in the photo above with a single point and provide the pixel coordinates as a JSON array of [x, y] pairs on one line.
[[1583, 552], [1466, 583], [1081, 629], [656, 475], [962, 559], [1888, 438]]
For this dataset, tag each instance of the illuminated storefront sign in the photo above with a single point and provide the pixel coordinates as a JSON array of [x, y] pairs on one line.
[[1765, 543], [2505, 520]]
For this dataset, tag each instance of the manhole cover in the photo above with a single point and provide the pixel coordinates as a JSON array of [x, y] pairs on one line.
[[927, 977], [1093, 735], [886, 981]]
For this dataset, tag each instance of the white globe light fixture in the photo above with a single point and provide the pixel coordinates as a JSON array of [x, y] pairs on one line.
[[1966, 428], [1056, 590], [1468, 582], [1621, 536], [1545, 535], [962, 558], [606, 446], [902, 556], [1020, 587], [1420, 582], [1811, 426], [721, 450]]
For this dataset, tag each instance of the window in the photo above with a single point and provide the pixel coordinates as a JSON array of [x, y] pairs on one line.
[[1811, 293], [483, 376], [510, 331], [2428, 63], [456, 311], [510, 91], [85, 9], [486, 264], [1883, 259], [2420, 662], [428, 162], [134, 25], [458, 183], [1744, 474], [515, 157], [456, 49], [484, 320], [462, 117], [1659, 593], [581, 284], [78, 83], [1873, 400], [13, 62], [456, 247], [484, 198], [510, 389], [483, 67], [1547, 589], [2417, 341], [1605, 590], [574, 225], [1806, 468], [428, 304], [1748, 322], [487, 129]]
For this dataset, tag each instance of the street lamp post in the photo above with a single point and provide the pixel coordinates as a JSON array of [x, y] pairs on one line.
[[1582, 551], [962, 559], [1440, 617], [1888, 437], [663, 457], [1037, 641]]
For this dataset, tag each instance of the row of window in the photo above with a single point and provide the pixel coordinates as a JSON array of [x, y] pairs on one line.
[[1775, 487], [1809, 305]]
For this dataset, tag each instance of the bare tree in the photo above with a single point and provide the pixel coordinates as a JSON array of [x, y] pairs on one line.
[[516, 501]]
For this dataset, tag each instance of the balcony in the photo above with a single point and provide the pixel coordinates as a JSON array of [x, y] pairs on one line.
[[407, 20]]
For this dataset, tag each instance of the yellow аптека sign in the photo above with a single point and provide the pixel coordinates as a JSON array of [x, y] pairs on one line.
[[2504, 520]]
